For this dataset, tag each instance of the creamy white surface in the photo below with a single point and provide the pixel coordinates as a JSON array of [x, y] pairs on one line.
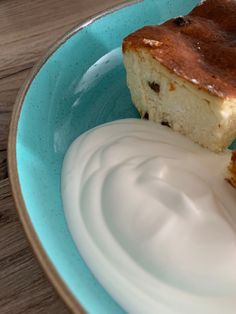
[[153, 217]]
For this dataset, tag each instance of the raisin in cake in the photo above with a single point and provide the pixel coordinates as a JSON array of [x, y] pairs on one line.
[[183, 73]]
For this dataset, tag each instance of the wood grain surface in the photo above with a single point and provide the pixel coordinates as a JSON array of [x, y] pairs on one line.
[[27, 29]]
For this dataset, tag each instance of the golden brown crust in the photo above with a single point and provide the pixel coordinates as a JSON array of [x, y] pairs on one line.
[[200, 47], [232, 170]]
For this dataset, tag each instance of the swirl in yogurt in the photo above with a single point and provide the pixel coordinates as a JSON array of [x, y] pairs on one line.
[[153, 208]]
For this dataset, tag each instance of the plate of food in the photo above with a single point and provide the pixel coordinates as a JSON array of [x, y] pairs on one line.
[[121, 162]]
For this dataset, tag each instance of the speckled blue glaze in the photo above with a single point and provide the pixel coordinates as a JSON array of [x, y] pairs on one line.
[[81, 85]]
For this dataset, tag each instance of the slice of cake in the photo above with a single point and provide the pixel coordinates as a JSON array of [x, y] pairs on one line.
[[232, 170], [183, 73]]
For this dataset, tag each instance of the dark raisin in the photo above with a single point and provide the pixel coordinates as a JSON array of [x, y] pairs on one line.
[[146, 116], [154, 86], [165, 123], [181, 21]]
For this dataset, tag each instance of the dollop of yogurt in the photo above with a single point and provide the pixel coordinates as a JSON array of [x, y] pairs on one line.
[[153, 217]]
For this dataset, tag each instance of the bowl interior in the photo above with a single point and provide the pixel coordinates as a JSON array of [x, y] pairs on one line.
[[81, 85]]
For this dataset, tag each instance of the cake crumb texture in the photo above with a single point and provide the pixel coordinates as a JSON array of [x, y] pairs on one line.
[[183, 73]]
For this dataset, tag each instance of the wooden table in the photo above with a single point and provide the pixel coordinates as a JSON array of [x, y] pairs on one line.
[[27, 29]]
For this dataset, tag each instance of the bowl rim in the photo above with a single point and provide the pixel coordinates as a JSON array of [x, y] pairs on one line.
[[41, 255]]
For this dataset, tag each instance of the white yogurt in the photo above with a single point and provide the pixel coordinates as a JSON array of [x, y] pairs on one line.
[[153, 217]]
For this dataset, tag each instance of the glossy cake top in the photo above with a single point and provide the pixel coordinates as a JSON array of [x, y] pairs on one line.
[[199, 47]]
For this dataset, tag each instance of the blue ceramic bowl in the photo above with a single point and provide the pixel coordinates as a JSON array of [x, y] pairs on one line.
[[81, 83]]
